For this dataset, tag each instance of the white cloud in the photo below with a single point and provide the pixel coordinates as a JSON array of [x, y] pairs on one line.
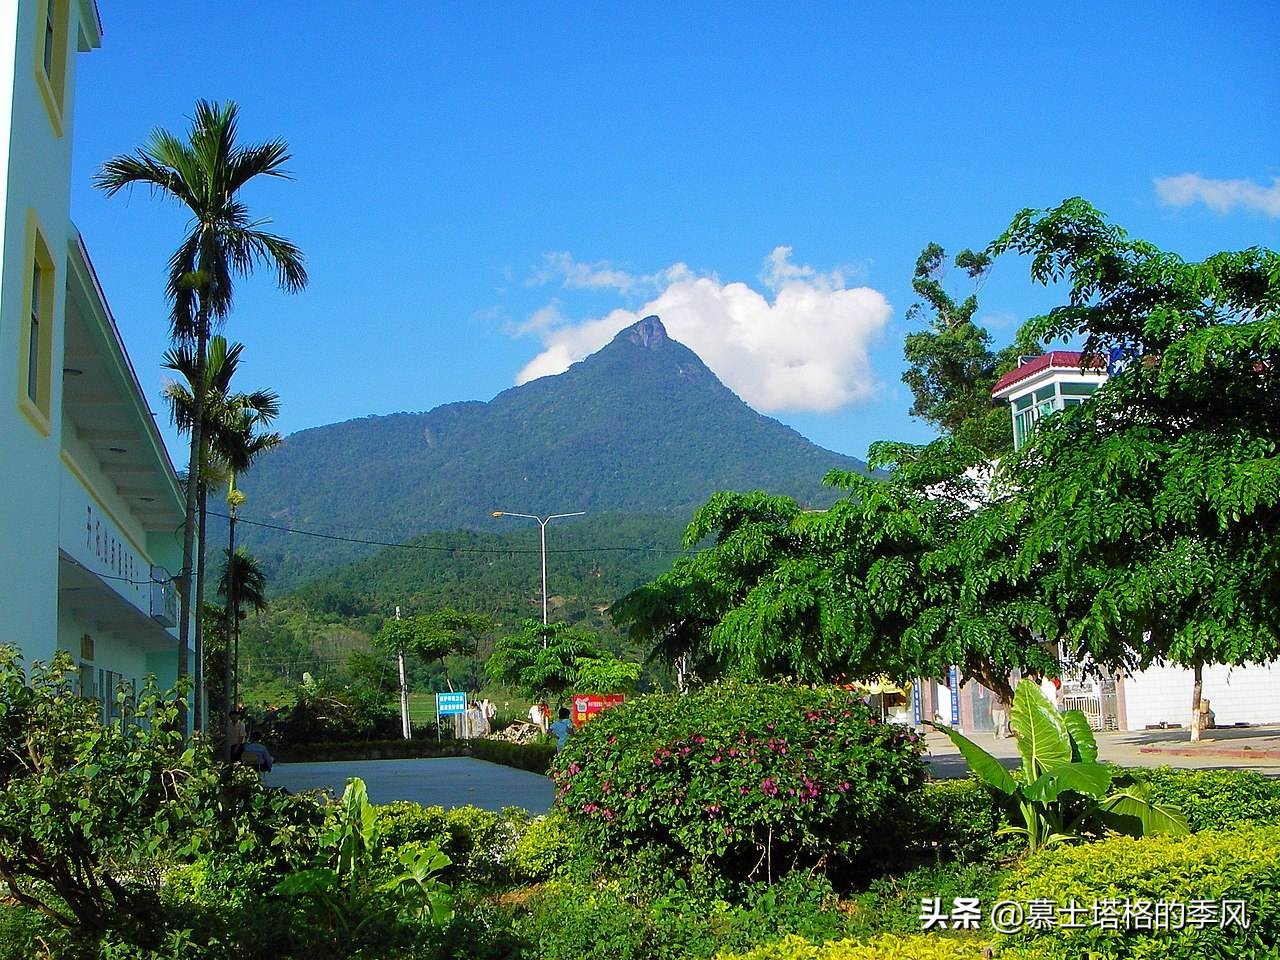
[[1221, 196], [804, 349], [576, 275]]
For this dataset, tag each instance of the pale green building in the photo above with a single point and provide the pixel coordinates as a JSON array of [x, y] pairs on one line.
[[91, 510]]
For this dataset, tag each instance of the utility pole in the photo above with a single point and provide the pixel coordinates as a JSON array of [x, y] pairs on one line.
[[405, 728], [542, 523]]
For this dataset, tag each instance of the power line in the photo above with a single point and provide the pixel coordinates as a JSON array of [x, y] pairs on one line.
[[496, 551]]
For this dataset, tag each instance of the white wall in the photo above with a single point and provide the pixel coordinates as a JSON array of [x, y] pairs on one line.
[[1238, 695]]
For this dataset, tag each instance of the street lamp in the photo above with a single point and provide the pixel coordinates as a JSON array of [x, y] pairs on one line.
[[542, 524]]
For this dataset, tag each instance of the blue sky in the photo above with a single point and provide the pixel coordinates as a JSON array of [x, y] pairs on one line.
[[480, 187]]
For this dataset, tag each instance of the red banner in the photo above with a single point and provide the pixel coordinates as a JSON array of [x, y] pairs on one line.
[[587, 705]]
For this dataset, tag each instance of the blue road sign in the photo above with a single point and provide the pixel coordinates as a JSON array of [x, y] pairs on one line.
[[452, 703], [954, 677]]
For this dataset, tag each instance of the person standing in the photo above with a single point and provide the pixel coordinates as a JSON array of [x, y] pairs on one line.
[[560, 729], [537, 717], [1050, 686], [237, 733], [1000, 716], [479, 725]]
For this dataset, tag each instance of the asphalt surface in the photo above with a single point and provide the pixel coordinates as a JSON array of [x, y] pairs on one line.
[[462, 781], [445, 782], [1228, 748]]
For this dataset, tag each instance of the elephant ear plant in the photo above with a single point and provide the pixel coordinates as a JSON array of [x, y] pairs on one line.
[[1062, 792]]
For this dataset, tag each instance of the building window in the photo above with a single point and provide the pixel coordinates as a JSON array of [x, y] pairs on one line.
[[51, 58], [35, 370], [33, 338], [50, 33]]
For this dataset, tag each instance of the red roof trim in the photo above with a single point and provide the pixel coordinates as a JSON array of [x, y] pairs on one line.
[[1055, 359]]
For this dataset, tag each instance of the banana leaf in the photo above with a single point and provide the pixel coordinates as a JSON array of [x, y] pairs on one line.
[[1042, 736], [980, 762], [1133, 803], [1091, 779], [1084, 746]]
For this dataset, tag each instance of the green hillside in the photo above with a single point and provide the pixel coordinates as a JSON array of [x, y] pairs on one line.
[[591, 562], [642, 426]]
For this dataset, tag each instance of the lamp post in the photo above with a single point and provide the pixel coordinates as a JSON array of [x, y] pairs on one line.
[[542, 524]]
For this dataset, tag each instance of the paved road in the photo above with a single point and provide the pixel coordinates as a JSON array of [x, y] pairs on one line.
[[445, 782], [1152, 748]]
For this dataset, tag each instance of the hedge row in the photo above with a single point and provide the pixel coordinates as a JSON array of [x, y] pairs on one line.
[[370, 750], [535, 757], [887, 947]]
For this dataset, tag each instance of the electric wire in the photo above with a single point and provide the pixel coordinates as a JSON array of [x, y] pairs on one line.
[[498, 551]]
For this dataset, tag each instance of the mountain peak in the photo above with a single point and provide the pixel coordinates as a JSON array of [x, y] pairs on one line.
[[648, 333]]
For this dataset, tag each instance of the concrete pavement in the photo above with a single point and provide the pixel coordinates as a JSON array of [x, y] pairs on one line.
[[1249, 748], [444, 781]]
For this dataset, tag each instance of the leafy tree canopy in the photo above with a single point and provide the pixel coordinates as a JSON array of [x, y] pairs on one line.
[[543, 659], [1148, 517], [952, 367], [436, 635]]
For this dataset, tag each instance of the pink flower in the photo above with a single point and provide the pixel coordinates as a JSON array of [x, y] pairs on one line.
[[844, 787], [716, 758], [743, 790], [608, 814], [768, 787]]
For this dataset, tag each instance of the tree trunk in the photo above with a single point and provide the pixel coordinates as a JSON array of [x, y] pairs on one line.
[[1197, 691], [228, 671], [194, 473], [200, 723]]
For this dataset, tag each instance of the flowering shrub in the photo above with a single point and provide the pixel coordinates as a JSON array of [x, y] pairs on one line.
[[754, 780]]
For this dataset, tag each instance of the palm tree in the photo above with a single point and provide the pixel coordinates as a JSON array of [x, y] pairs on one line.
[[242, 582], [230, 446], [205, 173]]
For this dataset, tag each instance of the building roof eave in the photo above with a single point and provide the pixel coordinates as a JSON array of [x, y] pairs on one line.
[[135, 399]]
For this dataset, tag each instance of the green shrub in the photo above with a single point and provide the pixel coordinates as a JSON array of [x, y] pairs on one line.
[[26, 933], [534, 757], [549, 847], [1216, 799], [576, 920], [584, 922], [956, 820], [891, 904], [1239, 865], [344, 750], [478, 842], [886, 947], [752, 780]]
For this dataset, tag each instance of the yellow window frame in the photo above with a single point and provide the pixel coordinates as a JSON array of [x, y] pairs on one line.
[[52, 84], [38, 253]]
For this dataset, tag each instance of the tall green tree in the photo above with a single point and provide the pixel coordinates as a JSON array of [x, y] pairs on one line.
[[205, 173], [675, 616], [543, 659], [845, 593], [231, 441], [430, 637], [243, 586], [1149, 517], [951, 364]]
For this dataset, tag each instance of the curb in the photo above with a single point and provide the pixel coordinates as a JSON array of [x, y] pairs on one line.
[[1229, 753]]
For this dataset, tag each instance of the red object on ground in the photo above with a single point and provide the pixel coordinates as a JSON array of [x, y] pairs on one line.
[[587, 705]]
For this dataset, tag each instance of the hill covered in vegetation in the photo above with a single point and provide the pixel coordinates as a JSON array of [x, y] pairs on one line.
[[642, 426], [591, 562]]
